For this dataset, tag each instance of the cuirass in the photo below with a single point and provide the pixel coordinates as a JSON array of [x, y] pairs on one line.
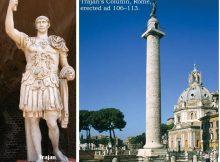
[[42, 59]]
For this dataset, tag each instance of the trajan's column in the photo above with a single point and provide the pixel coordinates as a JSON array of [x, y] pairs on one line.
[[153, 146]]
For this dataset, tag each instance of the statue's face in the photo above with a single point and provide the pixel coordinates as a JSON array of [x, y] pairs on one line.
[[42, 25]]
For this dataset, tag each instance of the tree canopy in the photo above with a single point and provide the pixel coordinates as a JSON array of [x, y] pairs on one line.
[[84, 119], [85, 122], [139, 140], [106, 119]]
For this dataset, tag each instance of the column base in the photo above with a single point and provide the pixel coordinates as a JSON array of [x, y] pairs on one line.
[[153, 145], [152, 152]]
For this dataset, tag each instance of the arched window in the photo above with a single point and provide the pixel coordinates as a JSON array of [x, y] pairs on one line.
[[192, 115]]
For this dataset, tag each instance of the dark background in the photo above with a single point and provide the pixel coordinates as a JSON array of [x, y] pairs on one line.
[[62, 15]]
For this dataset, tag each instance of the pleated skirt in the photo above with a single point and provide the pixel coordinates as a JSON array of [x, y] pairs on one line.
[[36, 99]]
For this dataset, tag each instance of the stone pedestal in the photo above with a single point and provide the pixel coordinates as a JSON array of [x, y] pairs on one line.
[[195, 159], [152, 152], [114, 160], [173, 159]]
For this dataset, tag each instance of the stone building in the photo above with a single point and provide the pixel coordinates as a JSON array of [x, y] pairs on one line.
[[210, 132], [194, 103]]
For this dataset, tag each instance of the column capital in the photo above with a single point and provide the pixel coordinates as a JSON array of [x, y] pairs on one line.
[[153, 31]]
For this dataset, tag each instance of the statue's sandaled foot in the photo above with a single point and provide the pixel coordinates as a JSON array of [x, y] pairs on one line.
[[60, 157], [39, 160]]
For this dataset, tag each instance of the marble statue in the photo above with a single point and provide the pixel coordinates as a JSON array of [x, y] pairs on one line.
[[44, 90], [153, 11]]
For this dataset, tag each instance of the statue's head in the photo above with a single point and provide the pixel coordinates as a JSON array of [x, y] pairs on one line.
[[42, 23]]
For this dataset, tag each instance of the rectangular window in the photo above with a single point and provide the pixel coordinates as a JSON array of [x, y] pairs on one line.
[[178, 119], [197, 143]]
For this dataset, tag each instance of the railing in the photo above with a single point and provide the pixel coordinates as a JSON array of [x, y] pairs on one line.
[[131, 156], [193, 156]]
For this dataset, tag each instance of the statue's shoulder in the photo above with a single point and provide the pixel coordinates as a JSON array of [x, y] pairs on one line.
[[58, 43], [56, 38], [25, 41]]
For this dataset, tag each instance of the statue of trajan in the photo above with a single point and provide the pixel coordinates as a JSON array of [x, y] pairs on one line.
[[44, 90]]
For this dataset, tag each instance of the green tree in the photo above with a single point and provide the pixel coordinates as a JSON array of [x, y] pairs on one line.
[[170, 126], [103, 141], [165, 128], [138, 140], [82, 140], [108, 119], [85, 122]]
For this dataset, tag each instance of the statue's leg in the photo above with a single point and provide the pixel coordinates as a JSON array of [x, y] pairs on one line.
[[31, 153], [33, 138], [51, 119], [36, 135]]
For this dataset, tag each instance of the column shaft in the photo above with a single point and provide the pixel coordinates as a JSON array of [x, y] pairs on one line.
[[153, 93]]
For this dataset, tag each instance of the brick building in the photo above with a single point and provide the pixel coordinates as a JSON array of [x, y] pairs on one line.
[[210, 132]]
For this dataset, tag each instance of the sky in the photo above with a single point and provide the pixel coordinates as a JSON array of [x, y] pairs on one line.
[[112, 57]]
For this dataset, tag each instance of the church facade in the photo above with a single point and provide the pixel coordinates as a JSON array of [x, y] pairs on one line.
[[194, 103]]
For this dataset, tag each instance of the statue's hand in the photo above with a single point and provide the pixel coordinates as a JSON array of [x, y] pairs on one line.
[[13, 4], [68, 73]]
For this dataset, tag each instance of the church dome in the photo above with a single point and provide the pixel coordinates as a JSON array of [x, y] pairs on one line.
[[196, 91]]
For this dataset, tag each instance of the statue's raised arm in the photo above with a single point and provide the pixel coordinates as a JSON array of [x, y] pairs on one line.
[[13, 33]]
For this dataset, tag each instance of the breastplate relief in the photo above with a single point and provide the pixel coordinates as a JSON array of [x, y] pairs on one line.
[[42, 59]]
